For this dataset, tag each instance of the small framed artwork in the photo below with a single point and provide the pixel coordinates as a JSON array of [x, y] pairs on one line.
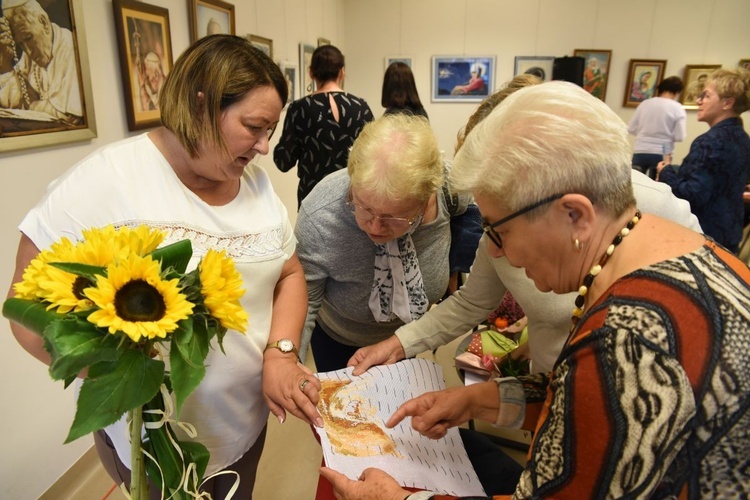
[[290, 75], [744, 63], [595, 70], [265, 45], [643, 78], [44, 107], [694, 79], [323, 41], [145, 47], [388, 60], [540, 66], [462, 79], [209, 17], [307, 84]]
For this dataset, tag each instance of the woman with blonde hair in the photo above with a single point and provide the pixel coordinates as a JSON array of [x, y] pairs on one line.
[[714, 173], [360, 234]]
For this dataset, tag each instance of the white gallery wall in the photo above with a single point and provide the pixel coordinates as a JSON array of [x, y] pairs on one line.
[[36, 412]]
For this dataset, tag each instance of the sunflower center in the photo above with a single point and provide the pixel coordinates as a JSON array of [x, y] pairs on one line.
[[79, 285], [139, 301]]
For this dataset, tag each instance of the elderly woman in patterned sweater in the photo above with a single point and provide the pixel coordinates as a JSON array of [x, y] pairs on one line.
[[651, 394]]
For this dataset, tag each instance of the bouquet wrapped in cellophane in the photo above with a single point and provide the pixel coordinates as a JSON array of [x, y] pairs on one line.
[[111, 307]]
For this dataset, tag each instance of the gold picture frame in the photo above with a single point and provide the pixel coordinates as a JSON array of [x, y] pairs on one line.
[[692, 79], [262, 43], [595, 70], [27, 124], [145, 47], [643, 78], [208, 17]]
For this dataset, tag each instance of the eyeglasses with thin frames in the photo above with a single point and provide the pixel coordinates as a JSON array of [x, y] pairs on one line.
[[364, 214], [489, 229]]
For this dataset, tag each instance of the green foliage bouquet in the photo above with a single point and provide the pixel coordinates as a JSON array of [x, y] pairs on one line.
[[110, 308]]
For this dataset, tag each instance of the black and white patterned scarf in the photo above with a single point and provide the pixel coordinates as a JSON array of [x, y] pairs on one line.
[[397, 287]]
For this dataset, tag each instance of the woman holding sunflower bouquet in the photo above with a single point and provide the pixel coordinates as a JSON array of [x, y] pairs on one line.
[[191, 179]]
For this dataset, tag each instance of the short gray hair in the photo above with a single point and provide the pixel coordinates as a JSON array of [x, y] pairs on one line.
[[547, 139], [396, 157]]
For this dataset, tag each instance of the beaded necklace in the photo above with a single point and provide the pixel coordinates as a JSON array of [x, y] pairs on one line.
[[596, 269]]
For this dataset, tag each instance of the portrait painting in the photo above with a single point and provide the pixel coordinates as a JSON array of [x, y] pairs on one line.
[[45, 84], [643, 78], [290, 75], [694, 79], [210, 17], [307, 84], [145, 46], [595, 70], [462, 79], [388, 60], [264, 44], [539, 66]]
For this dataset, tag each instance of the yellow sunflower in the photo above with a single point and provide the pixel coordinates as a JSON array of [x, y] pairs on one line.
[[133, 298], [62, 290], [221, 286]]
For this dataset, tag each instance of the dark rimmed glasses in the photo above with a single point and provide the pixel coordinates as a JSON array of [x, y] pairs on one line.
[[489, 229], [364, 214]]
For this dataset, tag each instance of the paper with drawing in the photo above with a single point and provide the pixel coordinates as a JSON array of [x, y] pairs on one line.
[[354, 436]]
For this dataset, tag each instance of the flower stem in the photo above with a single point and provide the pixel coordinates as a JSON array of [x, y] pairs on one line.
[[138, 481]]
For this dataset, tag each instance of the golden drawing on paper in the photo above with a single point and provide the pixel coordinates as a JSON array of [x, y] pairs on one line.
[[351, 421]]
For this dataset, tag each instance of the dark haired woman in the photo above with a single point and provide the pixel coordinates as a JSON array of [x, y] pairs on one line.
[[400, 91], [320, 128]]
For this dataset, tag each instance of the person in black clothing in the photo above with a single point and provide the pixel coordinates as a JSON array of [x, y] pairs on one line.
[[320, 128], [400, 91]]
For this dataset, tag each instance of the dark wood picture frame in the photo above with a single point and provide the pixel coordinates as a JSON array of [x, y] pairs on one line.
[[306, 83], [22, 127], [692, 79], [643, 78], [595, 70], [144, 43], [208, 17]]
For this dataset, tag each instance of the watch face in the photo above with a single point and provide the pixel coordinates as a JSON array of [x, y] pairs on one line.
[[286, 345]]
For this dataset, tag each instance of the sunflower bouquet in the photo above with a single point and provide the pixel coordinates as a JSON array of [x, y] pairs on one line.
[[111, 309]]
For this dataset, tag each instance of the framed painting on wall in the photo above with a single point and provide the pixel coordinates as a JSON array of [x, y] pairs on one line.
[[209, 17], [145, 47], [595, 70], [264, 44], [540, 66], [744, 63], [694, 79], [290, 75], [643, 78], [307, 85], [51, 104], [388, 60], [462, 79], [323, 41]]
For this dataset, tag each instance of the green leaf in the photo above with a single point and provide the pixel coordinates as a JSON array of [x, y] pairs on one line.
[[198, 454], [176, 256], [162, 449], [85, 270], [30, 314], [75, 344], [113, 388], [187, 362]]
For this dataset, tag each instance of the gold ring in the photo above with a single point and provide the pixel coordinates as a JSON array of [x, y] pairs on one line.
[[303, 384]]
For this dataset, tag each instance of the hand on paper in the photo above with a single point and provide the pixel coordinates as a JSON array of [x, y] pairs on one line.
[[433, 413], [385, 352], [373, 484], [285, 390]]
